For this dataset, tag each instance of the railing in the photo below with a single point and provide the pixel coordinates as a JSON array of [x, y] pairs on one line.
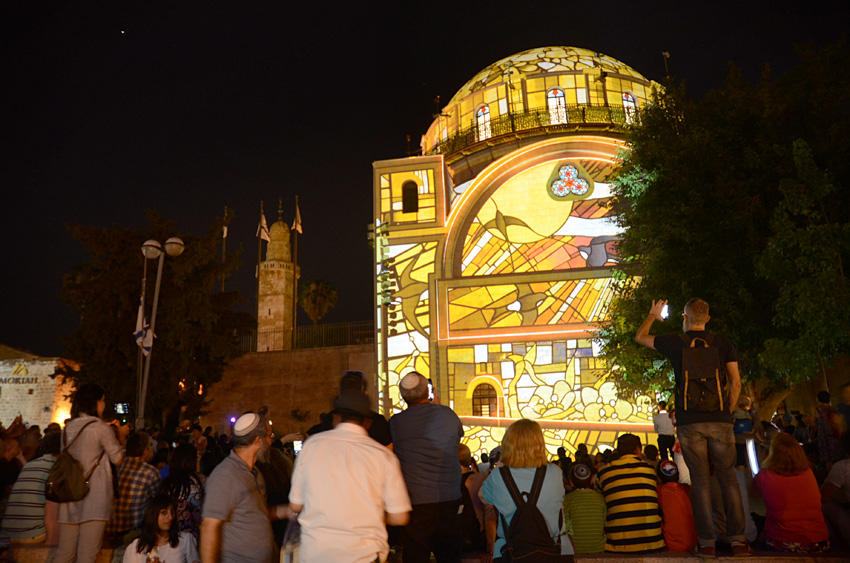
[[536, 118], [320, 336]]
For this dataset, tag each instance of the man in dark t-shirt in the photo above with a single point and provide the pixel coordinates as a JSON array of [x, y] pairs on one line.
[[704, 434]]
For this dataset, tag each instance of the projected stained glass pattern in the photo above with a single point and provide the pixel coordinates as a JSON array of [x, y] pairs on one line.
[[521, 228], [392, 204], [485, 438], [528, 304], [549, 380], [408, 320]]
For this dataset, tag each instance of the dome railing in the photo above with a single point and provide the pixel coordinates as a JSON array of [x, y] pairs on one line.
[[573, 117]]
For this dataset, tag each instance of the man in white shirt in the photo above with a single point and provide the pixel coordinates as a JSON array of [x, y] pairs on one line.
[[665, 430], [346, 487]]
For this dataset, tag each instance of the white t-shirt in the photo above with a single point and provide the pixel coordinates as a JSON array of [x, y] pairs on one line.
[[839, 476], [346, 481], [185, 552]]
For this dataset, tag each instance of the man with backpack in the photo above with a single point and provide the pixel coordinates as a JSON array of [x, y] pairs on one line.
[[707, 389]]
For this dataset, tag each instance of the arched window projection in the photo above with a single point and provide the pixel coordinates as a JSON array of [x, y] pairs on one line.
[[482, 120], [630, 105], [485, 402], [409, 197], [557, 104]]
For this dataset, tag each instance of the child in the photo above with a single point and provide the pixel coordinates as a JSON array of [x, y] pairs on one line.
[[585, 512], [160, 541], [680, 532]]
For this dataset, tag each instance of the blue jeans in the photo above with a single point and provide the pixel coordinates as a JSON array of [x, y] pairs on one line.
[[716, 439]]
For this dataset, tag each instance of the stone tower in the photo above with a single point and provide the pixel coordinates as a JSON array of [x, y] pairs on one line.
[[277, 284]]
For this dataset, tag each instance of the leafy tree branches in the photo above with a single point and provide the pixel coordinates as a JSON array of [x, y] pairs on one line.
[[197, 330], [739, 198]]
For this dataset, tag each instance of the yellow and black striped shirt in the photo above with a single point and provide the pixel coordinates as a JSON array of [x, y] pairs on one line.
[[633, 523]]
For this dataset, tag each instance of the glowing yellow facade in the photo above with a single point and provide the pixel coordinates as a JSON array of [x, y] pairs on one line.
[[494, 250]]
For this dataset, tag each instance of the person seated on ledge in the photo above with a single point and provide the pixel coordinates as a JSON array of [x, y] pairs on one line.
[[794, 519]]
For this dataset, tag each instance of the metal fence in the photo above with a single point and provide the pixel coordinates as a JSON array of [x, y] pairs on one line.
[[536, 118], [319, 336]]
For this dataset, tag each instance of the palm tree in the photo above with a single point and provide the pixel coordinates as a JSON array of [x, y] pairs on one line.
[[317, 298]]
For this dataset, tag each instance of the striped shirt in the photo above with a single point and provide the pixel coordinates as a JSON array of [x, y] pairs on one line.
[[584, 517], [634, 518], [24, 516]]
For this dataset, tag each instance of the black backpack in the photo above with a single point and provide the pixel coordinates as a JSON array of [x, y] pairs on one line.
[[527, 539], [703, 376], [473, 536]]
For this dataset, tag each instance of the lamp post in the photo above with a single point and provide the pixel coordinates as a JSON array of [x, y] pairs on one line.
[[151, 250]]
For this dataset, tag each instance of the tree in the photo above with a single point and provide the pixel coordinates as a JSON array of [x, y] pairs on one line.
[[197, 331], [317, 298], [739, 198]]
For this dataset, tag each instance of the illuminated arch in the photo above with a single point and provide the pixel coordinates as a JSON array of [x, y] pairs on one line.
[[496, 174], [492, 382], [630, 106]]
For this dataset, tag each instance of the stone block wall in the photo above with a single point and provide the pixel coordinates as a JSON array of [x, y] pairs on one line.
[[305, 381], [26, 388]]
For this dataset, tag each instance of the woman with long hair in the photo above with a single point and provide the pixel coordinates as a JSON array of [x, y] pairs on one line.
[[93, 443], [525, 460], [794, 518], [186, 487], [160, 540]]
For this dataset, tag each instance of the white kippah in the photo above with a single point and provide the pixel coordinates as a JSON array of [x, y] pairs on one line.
[[245, 424], [410, 381]]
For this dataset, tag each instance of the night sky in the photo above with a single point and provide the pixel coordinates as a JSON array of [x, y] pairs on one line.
[[186, 107]]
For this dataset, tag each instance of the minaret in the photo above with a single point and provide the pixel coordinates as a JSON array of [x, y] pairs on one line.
[[274, 314]]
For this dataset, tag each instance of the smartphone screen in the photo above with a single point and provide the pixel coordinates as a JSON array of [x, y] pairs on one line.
[[430, 390], [297, 446], [664, 312]]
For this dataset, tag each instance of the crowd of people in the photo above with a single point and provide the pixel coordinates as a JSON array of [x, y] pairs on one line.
[[364, 487]]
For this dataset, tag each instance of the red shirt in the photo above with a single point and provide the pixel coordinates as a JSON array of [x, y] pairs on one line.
[[793, 507], [679, 528]]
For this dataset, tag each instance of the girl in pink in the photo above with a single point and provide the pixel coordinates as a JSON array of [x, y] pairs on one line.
[[794, 518]]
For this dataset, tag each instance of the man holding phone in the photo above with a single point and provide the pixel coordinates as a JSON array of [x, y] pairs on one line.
[[704, 416]]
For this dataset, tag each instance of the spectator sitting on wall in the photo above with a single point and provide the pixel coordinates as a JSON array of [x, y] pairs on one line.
[[680, 531], [794, 520]]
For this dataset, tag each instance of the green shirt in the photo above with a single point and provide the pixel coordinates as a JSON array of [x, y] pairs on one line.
[[584, 516]]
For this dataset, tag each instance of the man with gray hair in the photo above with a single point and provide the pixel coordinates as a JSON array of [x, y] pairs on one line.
[[236, 526], [425, 438]]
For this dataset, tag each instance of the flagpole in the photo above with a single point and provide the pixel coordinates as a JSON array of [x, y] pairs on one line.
[[259, 258], [296, 226], [223, 246], [140, 422]]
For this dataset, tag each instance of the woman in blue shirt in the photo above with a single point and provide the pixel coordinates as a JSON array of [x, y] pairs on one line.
[[523, 451]]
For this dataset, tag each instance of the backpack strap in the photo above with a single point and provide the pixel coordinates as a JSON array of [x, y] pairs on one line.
[[537, 485], [510, 484], [65, 444]]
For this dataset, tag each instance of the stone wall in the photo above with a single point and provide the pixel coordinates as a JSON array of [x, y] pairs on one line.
[[26, 388], [303, 380]]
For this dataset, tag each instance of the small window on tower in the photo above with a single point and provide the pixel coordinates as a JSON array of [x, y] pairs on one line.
[[409, 197]]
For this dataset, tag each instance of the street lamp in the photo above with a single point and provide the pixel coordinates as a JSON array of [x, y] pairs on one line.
[[152, 250]]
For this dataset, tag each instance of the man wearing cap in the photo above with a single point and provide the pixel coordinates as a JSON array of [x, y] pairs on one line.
[[236, 526], [376, 425], [425, 438], [346, 487]]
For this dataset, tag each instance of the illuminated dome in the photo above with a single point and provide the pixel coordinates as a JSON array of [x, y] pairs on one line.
[[548, 60], [535, 94]]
